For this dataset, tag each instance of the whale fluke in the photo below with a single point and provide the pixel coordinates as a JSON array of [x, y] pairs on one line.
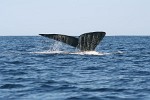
[[85, 42]]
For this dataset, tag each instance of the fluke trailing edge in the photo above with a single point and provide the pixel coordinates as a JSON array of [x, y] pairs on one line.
[[85, 42]]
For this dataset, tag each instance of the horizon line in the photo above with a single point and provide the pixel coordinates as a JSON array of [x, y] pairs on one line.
[[106, 35]]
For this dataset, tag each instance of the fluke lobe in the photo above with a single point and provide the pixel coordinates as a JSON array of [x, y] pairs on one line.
[[84, 42]]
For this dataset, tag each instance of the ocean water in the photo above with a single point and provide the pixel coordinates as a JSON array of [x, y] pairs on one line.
[[37, 68]]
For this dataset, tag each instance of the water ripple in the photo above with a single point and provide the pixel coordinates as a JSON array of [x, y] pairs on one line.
[[10, 86], [29, 72]]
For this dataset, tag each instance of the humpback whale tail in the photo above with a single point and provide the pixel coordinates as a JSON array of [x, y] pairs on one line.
[[85, 42]]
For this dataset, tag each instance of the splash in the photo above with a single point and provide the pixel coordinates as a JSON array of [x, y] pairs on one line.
[[56, 46], [73, 53], [78, 53], [55, 49]]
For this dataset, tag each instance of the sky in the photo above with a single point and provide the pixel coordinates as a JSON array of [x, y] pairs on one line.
[[74, 17]]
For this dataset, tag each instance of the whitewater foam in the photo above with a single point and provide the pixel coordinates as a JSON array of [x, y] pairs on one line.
[[73, 53], [89, 53], [50, 52]]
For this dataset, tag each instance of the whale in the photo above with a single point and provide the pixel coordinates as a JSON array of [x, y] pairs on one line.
[[84, 42]]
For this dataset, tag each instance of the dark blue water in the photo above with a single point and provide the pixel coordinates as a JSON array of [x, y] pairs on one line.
[[26, 75]]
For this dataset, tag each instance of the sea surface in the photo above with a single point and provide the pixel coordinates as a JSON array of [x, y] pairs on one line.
[[37, 68]]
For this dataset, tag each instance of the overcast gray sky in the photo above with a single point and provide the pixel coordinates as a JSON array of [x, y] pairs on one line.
[[74, 17]]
